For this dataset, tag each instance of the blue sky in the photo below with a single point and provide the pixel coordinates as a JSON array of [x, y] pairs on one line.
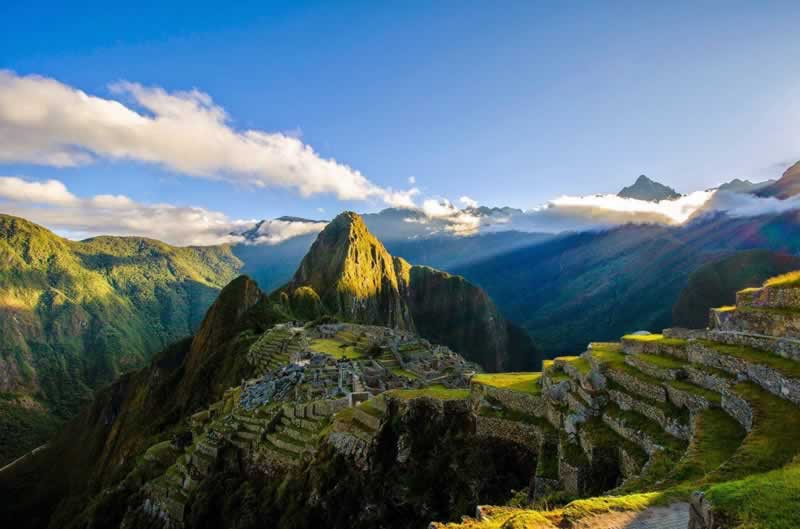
[[510, 103]]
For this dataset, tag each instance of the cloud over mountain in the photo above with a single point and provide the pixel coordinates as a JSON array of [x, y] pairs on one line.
[[46, 122], [52, 204]]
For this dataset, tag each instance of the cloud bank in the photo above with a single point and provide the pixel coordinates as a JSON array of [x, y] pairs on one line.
[[50, 203], [46, 122]]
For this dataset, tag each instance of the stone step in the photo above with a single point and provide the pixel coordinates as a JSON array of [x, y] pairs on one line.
[[776, 298], [369, 421], [286, 443], [657, 344], [785, 347], [245, 435], [778, 375], [641, 431], [673, 420]]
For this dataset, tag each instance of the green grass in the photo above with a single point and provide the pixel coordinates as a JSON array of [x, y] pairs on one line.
[[761, 501], [582, 365], [711, 396], [405, 373], [336, 349], [435, 392], [786, 367], [655, 338], [522, 382], [790, 280], [664, 362], [772, 442], [717, 437]]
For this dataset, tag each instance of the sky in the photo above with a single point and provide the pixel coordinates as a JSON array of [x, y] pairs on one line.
[[242, 111]]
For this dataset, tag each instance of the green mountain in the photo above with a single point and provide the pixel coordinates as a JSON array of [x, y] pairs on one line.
[[349, 273], [74, 315], [599, 285], [715, 284], [258, 421]]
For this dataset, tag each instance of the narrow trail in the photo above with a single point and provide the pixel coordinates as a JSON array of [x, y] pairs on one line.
[[24, 456], [675, 516]]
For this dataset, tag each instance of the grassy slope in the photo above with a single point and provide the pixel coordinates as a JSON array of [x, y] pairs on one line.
[[74, 315]]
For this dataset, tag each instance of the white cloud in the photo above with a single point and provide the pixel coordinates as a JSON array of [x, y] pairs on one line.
[[451, 218], [51, 204], [400, 199], [412, 180], [49, 192], [46, 122], [277, 231], [468, 202]]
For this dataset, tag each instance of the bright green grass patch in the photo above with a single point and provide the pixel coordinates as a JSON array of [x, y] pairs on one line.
[[400, 372], [336, 349], [792, 279], [665, 362], [711, 396], [631, 502], [772, 442], [523, 382], [717, 437], [435, 392], [726, 308], [614, 359], [786, 367], [762, 501], [582, 365], [655, 338]]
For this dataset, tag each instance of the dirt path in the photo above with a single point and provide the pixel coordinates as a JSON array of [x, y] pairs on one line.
[[675, 516]]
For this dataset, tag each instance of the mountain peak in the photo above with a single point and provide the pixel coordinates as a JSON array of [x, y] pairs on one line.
[[646, 189], [787, 186], [354, 275]]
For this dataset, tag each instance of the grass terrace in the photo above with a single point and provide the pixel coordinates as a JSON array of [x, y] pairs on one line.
[[773, 441], [437, 391], [337, 348], [522, 382], [636, 421], [655, 338], [786, 367], [790, 280], [664, 362]]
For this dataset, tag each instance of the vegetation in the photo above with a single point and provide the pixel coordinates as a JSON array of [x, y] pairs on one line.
[[337, 348], [522, 382], [786, 367], [715, 284], [435, 392], [74, 315]]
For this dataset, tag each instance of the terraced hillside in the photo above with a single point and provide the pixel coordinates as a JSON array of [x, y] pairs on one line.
[[693, 429]]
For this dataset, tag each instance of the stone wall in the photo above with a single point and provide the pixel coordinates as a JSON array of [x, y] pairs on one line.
[[754, 321], [739, 409], [654, 371], [785, 347], [766, 377], [512, 400], [526, 434], [638, 386], [769, 297], [668, 424], [632, 347]]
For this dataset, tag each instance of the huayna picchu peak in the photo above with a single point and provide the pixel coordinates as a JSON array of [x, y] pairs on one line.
[[646, 189], [349, 274]]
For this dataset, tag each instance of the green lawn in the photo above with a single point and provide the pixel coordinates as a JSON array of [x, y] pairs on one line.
[[522, 382], [435, 392], [657, 338], [336, 348]]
